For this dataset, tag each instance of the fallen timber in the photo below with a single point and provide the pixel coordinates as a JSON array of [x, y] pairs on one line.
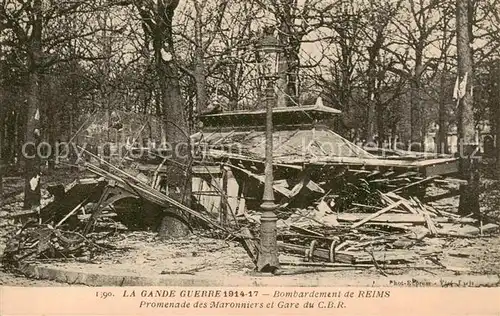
[[393, 228], [46, 240], [363, 210], [397, 218], [333, 255], [352, 244], [145, 192]]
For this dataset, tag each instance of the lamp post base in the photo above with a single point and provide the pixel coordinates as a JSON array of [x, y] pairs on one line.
[[267, 260]]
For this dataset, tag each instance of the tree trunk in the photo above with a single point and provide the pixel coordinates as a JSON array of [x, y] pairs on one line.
[[345, 82], [469, 198], [51, 114], [496, 106], [201, 84], [7, 135], [174, 119], [380, 118], [19, 130], [2, 125], [416, 137], [381, 112], [32, 172], [32, 160], [442, 139], [293, 72], [199, 68], [465, 114], [371, 109], [2, 135]]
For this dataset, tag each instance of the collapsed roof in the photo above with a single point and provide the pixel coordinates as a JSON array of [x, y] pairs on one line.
[[301, 137]]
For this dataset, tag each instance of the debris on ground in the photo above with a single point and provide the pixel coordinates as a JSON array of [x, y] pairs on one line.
[[348, 209], [384, 230], [37, 242]]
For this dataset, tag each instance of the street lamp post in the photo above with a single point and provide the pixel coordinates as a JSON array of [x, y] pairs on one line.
[[267, 260]]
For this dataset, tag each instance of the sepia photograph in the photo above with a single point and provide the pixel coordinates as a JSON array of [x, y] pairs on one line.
[[262, 147]]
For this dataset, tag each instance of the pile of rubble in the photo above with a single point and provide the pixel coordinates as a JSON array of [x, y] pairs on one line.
[[358, 226], [397, 231], [339, 207], [79, 216], [42, 241]]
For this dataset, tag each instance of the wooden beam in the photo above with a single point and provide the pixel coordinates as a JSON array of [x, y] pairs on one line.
[[414, 184], [401, 218], [374, 215]]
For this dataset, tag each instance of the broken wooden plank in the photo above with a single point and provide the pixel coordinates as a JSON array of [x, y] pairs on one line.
[[394, 197], [72, 212], [358, 171], [324, 208], [305, 231], [400, 218], [389, 255], [304, 190], [460, 253], [441, 212], [405, 202], [407, 174], [425, 180], [285, 235], [373, 174], [361, 245], [386, 199], [403, 227], [374, 215], [366, 206], [385, 256], [430, 224]]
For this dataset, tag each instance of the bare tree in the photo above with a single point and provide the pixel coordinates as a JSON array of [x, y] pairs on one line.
[[446, 42], [496, 106], [3, 67], [380, 15], [338, 81], [297, 23], [24, 24], [29, 35], [207, 22], [465, 66], [417, 27], [467, 144], [157, 18]]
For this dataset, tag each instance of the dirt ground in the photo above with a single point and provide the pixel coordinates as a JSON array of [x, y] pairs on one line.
[[140, 253]]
